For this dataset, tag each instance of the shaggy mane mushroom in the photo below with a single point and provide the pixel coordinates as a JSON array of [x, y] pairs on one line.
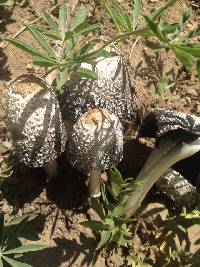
[[34, 120], [177, 137]]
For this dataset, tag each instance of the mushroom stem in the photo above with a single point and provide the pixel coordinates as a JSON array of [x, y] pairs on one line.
[[170, 151], [94, 182], [51, 169]]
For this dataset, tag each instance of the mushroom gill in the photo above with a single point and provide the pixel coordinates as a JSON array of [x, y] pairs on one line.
[[34, 120], [177, 137]]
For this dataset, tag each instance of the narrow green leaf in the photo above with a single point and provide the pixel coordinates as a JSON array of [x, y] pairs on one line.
[[17, 219], [121, 16], [185, 58], [79, 18], [48, 33], [192, 49], [63, 15], [96, 225], [155, 29], [61, 78], [109, 10], [160, 11], [98, 207], [163, 85], [155, 45], [25, 248], [86, 48], [90, 28], [182, 228], [116, 181], [44, 62], [1, 263], [68, 35], [39, 37], [7, 2], [183, 21], [14, 263], [25, 47], [190, 35], [105, 236], [50, 21], [136, 13], [85, 73]]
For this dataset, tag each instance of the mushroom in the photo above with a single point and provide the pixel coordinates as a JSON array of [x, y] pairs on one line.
[[96, 144], [92, 111], [177, 137], [34, 120]]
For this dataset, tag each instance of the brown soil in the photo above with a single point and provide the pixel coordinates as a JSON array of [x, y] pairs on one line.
[[60, 204]]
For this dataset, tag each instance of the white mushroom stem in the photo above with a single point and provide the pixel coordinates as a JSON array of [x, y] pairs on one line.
[[95, 182], [170, 151], [51, 169]]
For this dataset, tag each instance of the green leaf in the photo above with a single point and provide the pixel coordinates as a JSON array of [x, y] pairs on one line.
[[192, 49], [63, 14], [190, 35], [44, 62], [182, 228], [163, 85], [105, 236], [25, 47], [25, 248], [160, 11], [121, 16], [39, 37], [155, 45], [17, 219], [98, 207], [182, 22], [14, 263], [116, 181], [68, 35], [7, 2], [50, 21], [185, 58], [85, 73], [136, 13], [96, 226], [1, 263], [155, 29], [79, 18], [48, 33], [198, 69], [86, 48], [90, 28], [62, 78]]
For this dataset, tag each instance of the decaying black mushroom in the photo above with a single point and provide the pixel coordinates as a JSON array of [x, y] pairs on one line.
[[177, 137], [112, 90], [96, 144], [96, 109], [34, 119]]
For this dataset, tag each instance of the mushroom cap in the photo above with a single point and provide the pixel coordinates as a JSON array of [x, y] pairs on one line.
[[34, 119], [112, 90], [161, 122], [96, 141]]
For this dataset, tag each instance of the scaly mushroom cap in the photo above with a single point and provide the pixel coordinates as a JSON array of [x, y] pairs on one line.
[[96, 141], [112, 90], [161, 122], [34, 119]]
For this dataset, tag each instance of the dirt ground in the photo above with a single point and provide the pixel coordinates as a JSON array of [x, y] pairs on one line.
[[60, 204]]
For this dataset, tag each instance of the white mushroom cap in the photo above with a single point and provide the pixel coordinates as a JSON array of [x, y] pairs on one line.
[[34, 119], [112, 90], [96, 141]]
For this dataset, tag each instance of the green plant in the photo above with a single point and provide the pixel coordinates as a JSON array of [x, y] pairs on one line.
[[112, 226], [137, 260], [11, 247], [5, 170], [6, 2]]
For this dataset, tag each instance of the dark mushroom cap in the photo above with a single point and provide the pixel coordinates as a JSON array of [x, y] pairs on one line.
[[34, 119], [161, 122], [112, 90], [96, 141]]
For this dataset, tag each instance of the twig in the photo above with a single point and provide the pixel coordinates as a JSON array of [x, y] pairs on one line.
[[34, 21]]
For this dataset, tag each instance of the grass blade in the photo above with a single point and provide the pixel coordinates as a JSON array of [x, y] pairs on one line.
[[39, 37], [25, 47], [14, 263], [50, 21], [63, 15], [25, 248], [192, 49], [136, 13], [121, 16]]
